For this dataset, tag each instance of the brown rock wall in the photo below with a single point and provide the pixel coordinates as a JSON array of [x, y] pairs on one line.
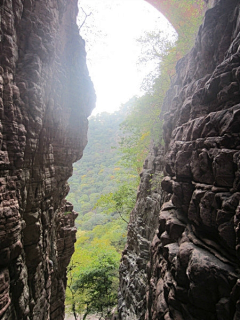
[[141, 230], [46, 96], [192, 270]]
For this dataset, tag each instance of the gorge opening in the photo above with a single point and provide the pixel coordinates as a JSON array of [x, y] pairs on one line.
[[102, 190]]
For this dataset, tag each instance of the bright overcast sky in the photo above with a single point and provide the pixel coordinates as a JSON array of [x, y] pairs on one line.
[[112, 50]]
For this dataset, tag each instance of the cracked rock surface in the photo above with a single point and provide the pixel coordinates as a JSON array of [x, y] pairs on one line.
[[46, 96], [190, 259]]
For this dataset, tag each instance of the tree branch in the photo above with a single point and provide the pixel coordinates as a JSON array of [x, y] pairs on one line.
[[86, 16], [122, 217]]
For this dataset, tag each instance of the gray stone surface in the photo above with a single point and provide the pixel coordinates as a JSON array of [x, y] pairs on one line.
[[45, 97], [190, 257]]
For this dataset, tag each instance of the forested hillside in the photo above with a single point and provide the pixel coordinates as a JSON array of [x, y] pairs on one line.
[[93, 272], [98, 171]]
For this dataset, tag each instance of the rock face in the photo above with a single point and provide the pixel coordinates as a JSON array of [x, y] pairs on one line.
[[141, 229], [45, 98], [183, 260]]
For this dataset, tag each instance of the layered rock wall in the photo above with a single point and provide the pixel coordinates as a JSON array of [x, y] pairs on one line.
[[141, 230], [191, 269], [45, 98]]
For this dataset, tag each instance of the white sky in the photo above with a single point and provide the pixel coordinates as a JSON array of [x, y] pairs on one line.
[[112, 51]]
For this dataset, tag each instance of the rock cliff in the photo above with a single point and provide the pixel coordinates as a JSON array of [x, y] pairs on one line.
[[181, 261], [45, 97]]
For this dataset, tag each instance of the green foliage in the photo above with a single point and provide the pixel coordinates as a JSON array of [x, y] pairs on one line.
[[155, 47], [115, 232], [97, 171], [121, 201], [143, 124], [92, 277]]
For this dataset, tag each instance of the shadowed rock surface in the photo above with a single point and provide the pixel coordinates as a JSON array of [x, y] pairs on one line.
[[45, 98], [182, 262]]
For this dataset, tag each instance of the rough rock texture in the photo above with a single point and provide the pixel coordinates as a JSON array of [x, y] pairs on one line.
[[141, 229], [192, 268], [45, 98]]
